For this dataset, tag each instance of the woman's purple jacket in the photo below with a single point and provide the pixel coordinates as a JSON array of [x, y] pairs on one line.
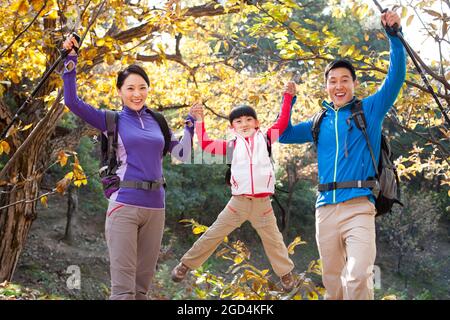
[[141, 143]]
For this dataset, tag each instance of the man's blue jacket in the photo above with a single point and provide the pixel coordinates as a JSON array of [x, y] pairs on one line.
[[342, 151]]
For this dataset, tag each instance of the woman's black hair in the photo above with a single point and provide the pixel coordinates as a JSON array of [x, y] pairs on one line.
[[242, 110], [132, 68]]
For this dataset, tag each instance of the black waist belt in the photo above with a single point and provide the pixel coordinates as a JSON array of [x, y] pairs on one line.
[[348, 184], [145, 185]]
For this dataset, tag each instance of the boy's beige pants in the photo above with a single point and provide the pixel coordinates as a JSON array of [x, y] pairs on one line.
[[134, 237], [345, 235], [238, 210]]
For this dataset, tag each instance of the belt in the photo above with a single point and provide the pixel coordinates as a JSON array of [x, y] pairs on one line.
[[348, 184], [145, 185]]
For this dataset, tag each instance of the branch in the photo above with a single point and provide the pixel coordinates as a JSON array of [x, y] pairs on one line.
[[31, 137], [217, 114], [171, 107], [181, 106], [409, 82], [28, 201], [24, 30], [441, 79], [442, 149], [84, 10], [93, 19], [206, 10], [427, 69], [5, 113], [370, 67], [159, 57], [433, 74], [177, 44], [284, 25], [146, 29]]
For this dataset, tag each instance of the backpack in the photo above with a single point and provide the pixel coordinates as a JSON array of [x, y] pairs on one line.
[[109, 165], [229, 157], [386, 184]]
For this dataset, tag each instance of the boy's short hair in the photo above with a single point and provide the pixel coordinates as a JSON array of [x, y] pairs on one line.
[[340, 63], [242, 110]]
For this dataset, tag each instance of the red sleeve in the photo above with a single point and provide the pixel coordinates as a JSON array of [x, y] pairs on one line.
[[277, 129], [211, 146]]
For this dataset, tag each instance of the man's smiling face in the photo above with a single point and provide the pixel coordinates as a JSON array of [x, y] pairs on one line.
[[340, 86]]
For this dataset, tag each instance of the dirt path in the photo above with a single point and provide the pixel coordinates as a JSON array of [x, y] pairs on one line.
[[49, 264]]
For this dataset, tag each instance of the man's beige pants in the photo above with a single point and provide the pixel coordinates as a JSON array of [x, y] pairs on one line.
[[238, 210], [345, 235], [134, 237]]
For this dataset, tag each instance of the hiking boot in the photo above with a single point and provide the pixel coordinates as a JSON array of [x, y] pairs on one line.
[[179, 272], [287, 282]]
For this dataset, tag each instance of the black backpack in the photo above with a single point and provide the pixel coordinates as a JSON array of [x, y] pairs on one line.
[[229, 158], [109, 164], [386, 184]]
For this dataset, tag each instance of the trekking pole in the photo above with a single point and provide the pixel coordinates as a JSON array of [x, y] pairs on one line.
[[63, 55], [395, 31]]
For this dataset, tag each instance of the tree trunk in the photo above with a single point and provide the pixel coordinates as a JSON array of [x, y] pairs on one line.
[[72, 207], [15, 224], [292, 181], [25, 176], [16, 220]]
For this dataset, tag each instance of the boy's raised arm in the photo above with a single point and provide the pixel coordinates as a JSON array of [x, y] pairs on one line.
[[280, 125]]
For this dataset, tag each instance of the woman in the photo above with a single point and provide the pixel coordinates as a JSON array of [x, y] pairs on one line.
[[135, 217]]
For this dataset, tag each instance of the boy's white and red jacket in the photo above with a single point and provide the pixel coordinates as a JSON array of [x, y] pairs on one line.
[[251, 167], [252, 171]]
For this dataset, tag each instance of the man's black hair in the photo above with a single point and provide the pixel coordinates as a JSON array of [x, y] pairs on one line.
[[340, 63], [242, 110]]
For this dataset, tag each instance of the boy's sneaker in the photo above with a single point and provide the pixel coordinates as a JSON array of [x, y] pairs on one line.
[[179, 272], [287, 282]]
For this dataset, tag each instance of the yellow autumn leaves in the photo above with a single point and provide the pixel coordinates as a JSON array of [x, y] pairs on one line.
[[76, 176], [249, 282], [23, 6], [4, 147]]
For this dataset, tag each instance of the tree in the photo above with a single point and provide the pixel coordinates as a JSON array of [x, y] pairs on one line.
[[411, 233], [72, 208], [34, 30]]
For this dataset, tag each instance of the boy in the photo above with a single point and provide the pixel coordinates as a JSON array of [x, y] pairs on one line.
[[252, 182]]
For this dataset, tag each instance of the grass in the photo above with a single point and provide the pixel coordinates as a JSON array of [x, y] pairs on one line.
[[11, 291]]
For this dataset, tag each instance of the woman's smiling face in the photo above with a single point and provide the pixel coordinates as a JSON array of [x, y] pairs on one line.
[[134, 92]]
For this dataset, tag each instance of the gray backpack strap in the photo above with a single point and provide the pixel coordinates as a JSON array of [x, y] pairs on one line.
[[112, 134], [361, 124], [230, 150], [315, 128], [229, 158]]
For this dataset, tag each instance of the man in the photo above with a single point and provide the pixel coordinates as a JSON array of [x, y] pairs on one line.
[[345, 217]]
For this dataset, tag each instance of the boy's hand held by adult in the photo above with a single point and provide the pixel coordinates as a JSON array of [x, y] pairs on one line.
[[290, 88]]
